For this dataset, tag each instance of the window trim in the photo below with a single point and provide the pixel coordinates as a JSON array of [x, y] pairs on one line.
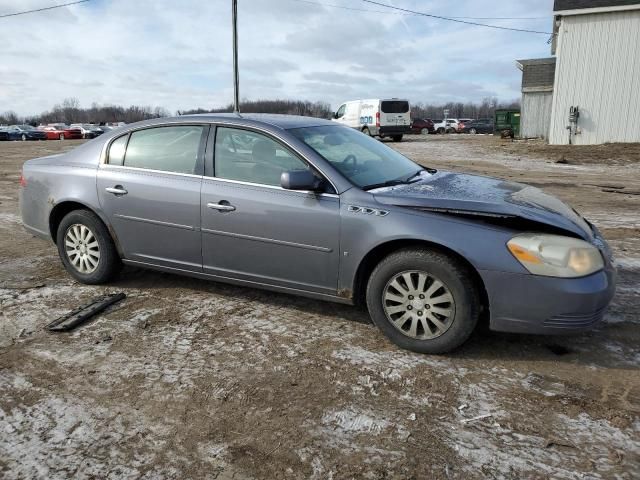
[[213, 124], [211, 171], [114, 140]]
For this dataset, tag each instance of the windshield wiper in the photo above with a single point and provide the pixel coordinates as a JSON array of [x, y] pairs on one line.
[[388, 183], [397, 181]]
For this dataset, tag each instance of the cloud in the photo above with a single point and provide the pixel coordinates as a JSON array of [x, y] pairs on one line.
[[178, 54]]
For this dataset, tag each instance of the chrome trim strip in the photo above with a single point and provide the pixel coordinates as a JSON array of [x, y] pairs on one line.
[[267, 240], [156, 222], [273, 187], [137, 169]]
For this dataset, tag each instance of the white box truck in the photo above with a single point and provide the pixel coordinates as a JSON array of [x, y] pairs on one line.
[[376, 117]]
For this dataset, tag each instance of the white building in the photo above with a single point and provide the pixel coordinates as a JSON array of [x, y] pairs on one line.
[[538, 76], [597, 48]]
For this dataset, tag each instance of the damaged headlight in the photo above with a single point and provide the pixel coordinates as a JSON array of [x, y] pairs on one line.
[[555, 255]]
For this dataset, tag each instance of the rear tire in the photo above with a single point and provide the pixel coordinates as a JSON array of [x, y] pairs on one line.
[[24, 137], [397, 138], [424, 131], [473, 131], [86, 248], [61, 137], [441, 131], [420, 332]]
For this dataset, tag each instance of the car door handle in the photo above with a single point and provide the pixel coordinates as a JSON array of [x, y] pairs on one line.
[[221, 207], [117, 190]]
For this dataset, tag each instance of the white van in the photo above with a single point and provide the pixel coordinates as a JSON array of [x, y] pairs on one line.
[[379, 118]]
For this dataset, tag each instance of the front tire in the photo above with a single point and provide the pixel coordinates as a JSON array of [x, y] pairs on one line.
[[397, 138], [366, 131], [423, 301], [473, 131], [61, 137], [24, 137], [441, 131], [86, 248], [424, 131]]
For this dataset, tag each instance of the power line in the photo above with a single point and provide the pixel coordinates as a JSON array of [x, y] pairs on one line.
[[42, 9], [413, 14], [451, 19]]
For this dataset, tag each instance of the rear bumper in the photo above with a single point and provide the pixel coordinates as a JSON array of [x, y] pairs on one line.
[[394, 130], [523, 303]]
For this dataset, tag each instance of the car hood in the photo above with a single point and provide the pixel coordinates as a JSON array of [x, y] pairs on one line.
[[464, 194]]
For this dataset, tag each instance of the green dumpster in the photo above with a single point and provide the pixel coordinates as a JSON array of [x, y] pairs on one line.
[[507, 121]]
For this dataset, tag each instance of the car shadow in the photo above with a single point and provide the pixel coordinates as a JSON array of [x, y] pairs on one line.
[[612, 345]]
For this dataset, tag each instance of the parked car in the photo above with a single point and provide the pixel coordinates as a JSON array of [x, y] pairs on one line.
[[88, 130], [422, 125], [449, 125], [482, 125], [317, 209], [376, 118], [61, 132], [25, 132], [462, 122]]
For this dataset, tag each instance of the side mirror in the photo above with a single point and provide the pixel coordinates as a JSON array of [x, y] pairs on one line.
[[334, 115], [300, 180]]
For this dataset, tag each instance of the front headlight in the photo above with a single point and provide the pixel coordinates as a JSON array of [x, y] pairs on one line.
[[555, 255]]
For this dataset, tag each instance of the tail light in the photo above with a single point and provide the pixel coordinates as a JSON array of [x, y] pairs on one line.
[[23, 181], [378, 119]]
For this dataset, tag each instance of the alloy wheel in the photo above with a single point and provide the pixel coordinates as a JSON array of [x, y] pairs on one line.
[[418, 304], [82, 248]]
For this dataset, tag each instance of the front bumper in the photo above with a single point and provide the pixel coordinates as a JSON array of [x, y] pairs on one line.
[[525, 303]]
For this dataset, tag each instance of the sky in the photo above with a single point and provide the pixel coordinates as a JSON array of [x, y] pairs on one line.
[[178, 54]]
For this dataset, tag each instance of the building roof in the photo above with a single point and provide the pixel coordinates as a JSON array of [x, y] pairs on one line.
[[537, 74], [563, 5]]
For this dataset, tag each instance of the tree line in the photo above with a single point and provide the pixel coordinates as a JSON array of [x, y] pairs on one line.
[[69, 111]]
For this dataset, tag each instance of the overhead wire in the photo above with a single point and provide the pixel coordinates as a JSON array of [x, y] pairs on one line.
[[24, 12], [386, 12], [457, 20]]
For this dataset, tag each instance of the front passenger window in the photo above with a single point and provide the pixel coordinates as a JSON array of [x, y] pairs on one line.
[[252, 157]]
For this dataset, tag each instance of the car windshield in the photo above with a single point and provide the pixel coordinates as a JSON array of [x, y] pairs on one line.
[[366, 162]]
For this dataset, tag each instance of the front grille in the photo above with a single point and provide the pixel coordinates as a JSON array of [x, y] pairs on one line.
[[579, 320]]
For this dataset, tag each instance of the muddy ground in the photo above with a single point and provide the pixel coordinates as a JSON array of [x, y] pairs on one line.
[[195, 379]]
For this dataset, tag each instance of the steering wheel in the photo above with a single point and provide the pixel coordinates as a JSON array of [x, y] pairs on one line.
[[350, 159]]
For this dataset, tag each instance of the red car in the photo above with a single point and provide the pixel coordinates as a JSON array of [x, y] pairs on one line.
[[423, 126], [61, 132]]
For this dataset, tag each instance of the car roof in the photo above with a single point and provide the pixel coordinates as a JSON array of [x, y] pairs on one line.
[[284, 122]]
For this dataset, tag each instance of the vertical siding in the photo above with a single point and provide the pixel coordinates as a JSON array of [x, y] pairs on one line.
[[598, 69], [536, 114]]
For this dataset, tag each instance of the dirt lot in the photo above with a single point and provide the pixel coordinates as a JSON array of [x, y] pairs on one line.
[[190, 379]]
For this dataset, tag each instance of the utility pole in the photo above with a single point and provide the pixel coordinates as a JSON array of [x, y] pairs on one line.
[[236, 77]]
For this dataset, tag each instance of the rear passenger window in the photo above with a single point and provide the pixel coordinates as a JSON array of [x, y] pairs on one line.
[[170, 149], [252, 157], [116, 151]]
